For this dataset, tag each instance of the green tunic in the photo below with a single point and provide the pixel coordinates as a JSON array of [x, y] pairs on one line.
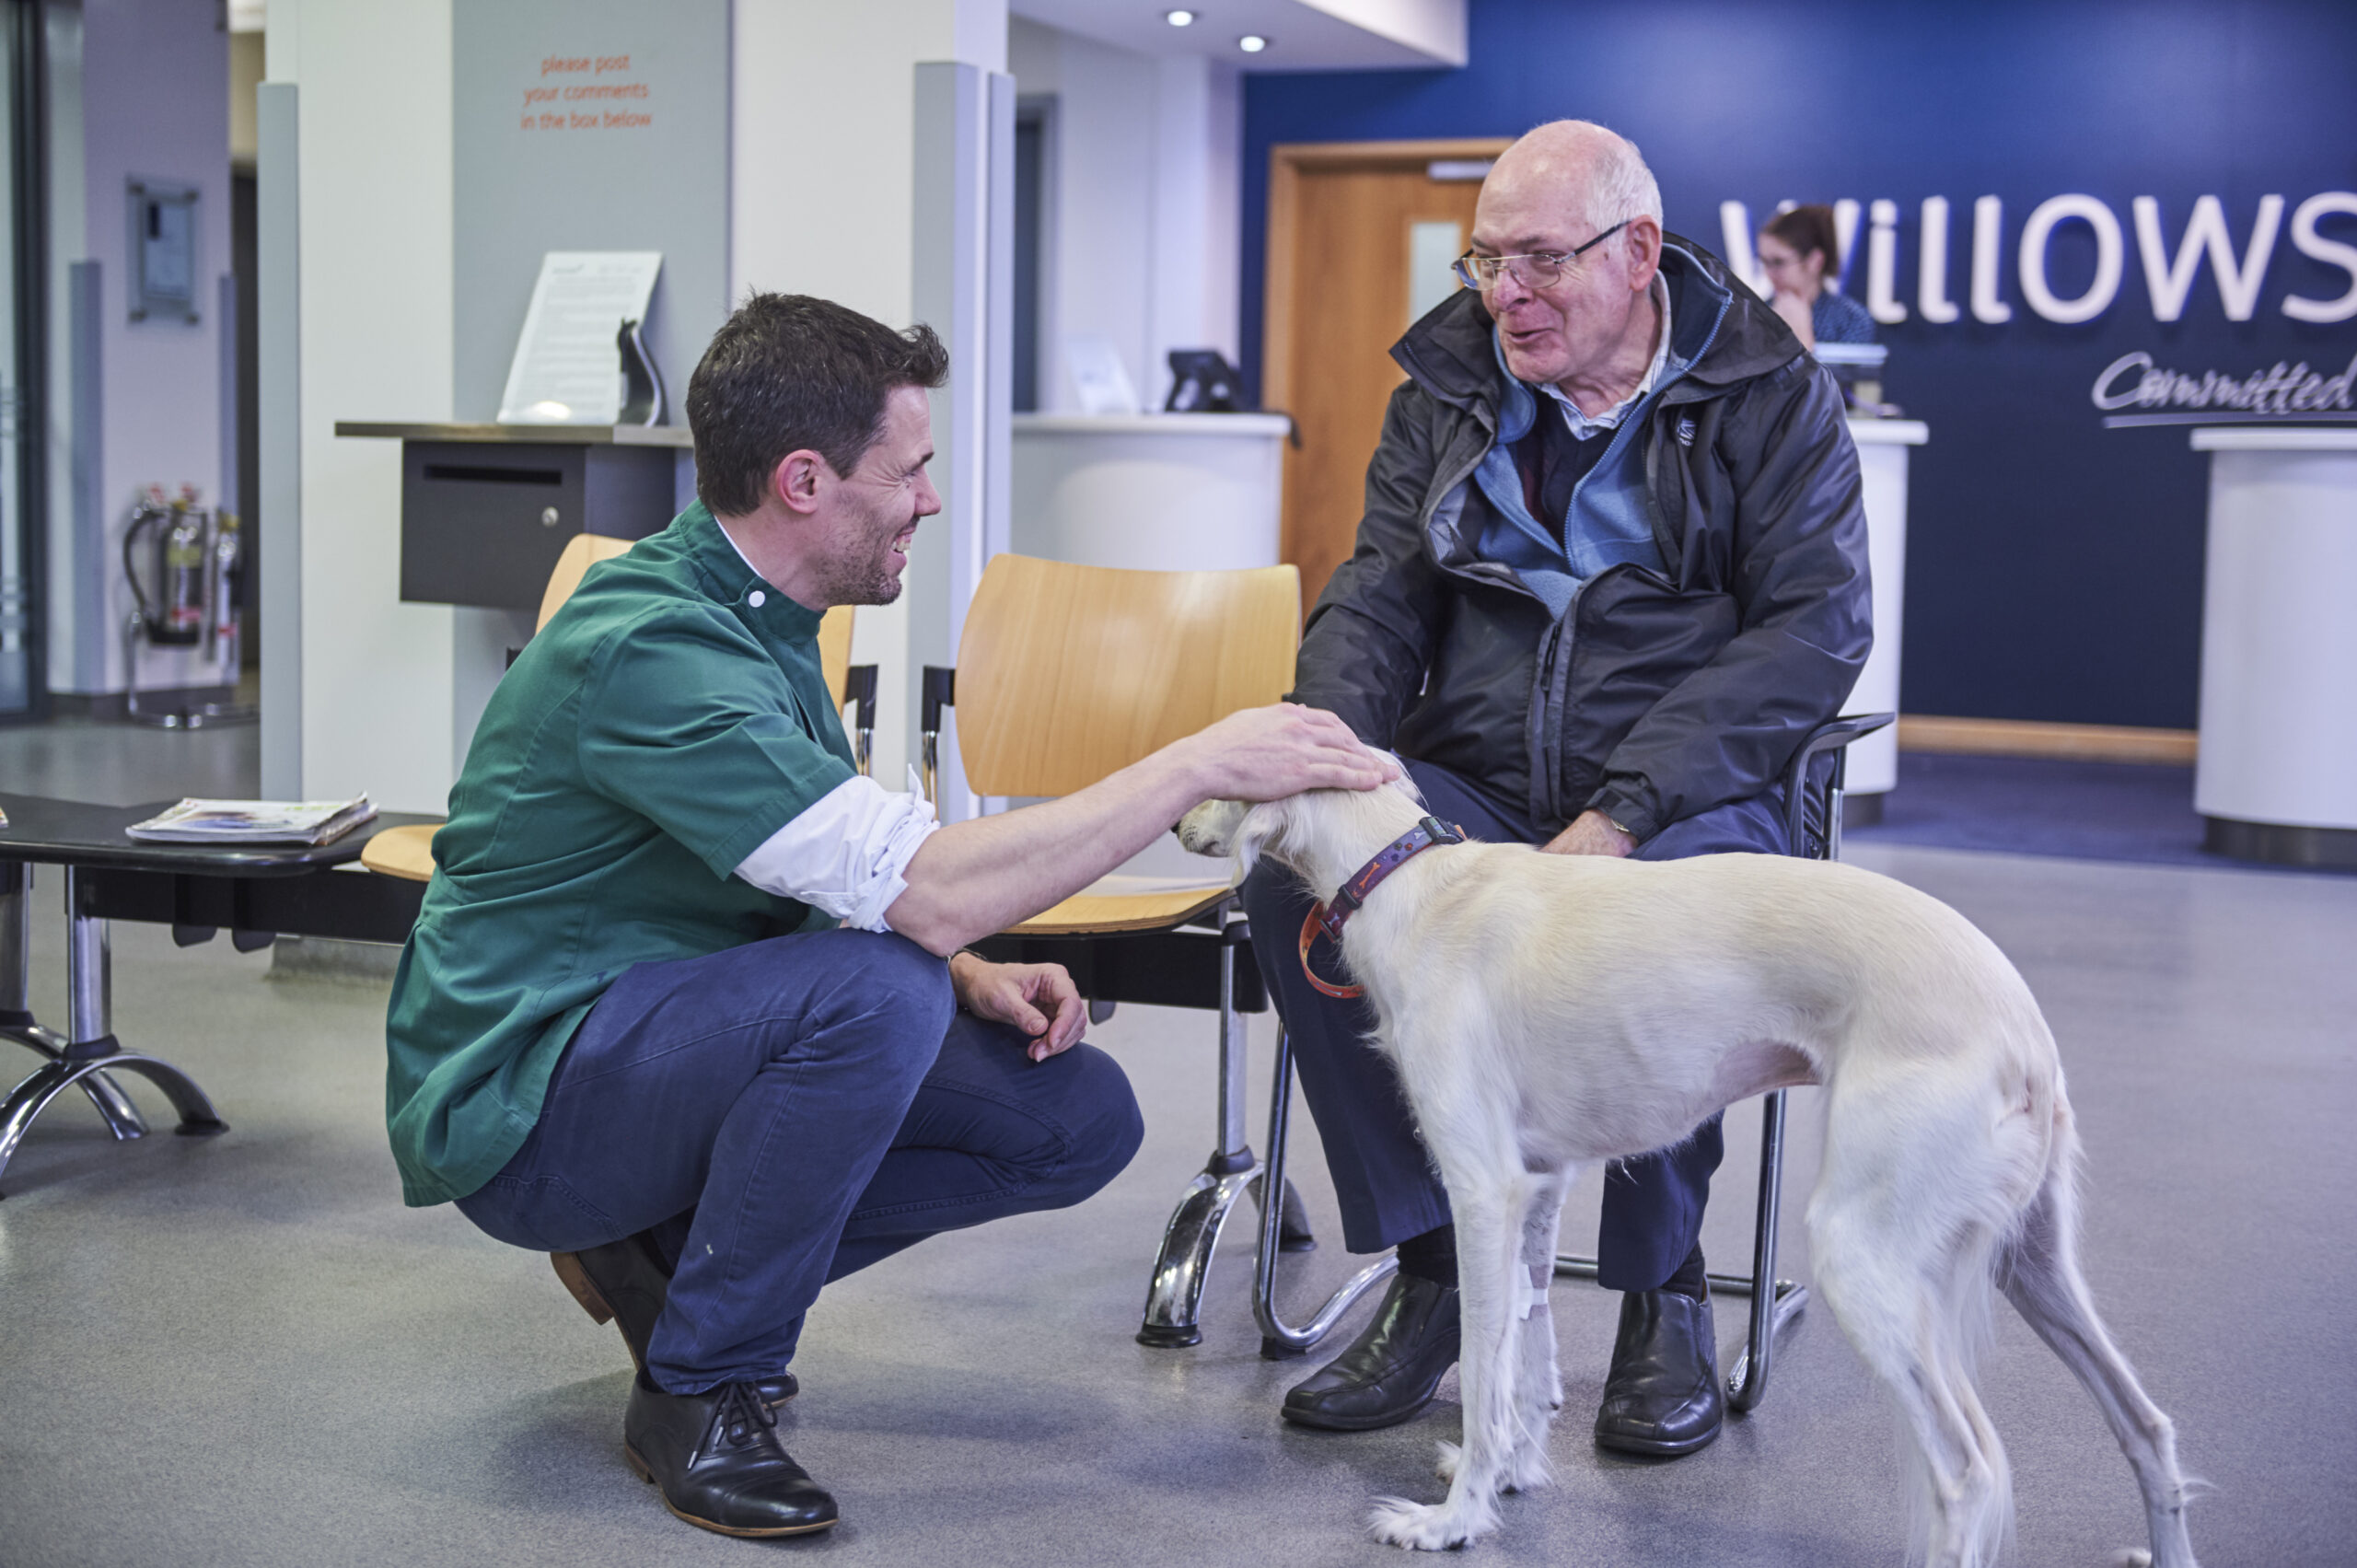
[[667, 721]]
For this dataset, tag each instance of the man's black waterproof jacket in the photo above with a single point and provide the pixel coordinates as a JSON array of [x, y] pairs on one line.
[[1653, 697]]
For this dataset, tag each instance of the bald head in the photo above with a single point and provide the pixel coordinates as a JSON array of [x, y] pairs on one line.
[[1594, 176], [1577, 208]]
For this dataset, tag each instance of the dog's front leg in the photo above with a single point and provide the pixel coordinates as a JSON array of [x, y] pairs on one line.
[[1539, 1388], [1488, 1211]]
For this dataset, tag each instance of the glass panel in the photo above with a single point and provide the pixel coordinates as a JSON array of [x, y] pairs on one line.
[[1431, 248]]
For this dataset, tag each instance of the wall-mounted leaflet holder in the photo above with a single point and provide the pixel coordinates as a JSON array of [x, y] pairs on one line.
[[163, 250]]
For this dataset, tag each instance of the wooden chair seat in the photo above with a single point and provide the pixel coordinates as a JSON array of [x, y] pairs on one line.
[[1117, 903], [406, 853]]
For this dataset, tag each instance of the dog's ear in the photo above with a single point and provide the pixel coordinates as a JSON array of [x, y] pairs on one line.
[[1261, 825], [1209, 828]]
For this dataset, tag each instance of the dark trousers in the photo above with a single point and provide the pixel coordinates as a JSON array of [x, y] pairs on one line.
[[1652, 1206], [782, 1113]]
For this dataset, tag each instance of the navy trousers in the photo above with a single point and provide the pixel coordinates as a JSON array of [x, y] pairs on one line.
[[782, 1113], [1652, 1206]]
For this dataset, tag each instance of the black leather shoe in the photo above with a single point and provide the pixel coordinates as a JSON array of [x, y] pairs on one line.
[[624, 1283], [716, 1458], [1390, 1370], [1663, 1396]]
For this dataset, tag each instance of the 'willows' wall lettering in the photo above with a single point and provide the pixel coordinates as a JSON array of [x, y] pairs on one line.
[[2168, 267]]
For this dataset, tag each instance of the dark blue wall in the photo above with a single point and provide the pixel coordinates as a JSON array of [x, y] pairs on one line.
[[2054, 564]]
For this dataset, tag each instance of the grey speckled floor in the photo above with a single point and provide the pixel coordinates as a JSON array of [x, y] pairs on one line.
[[246, 1352], [114, 763]]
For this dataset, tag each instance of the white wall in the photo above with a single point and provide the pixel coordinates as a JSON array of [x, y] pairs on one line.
[[374, 83], [1198, 211], [155, 103], [1146, 160], [821, 202], [821, 165]]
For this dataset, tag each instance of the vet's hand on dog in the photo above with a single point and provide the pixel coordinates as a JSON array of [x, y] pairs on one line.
[[1268, 753], [1039, 999]]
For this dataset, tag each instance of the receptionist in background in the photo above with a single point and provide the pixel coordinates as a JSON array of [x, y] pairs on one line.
[[1800, 251]]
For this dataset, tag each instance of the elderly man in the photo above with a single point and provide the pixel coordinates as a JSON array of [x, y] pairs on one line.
[[1612, 568], [677, 1008]]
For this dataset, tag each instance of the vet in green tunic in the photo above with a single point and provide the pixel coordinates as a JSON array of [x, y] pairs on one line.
[[667, 722]]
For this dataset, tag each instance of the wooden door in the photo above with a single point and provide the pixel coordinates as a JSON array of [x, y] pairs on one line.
[[1359, 238]]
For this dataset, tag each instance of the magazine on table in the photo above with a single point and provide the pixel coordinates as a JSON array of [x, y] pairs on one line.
[[255, 821]]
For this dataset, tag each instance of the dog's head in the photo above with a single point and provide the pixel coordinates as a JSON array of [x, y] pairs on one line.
[[1285, 830]]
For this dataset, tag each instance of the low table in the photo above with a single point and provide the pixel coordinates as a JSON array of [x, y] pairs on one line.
[[195, 888]]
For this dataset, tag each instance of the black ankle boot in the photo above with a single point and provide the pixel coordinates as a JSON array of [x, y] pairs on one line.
[[1663, 1396], [1390, 1370], [625, 1283], [717, 1460]]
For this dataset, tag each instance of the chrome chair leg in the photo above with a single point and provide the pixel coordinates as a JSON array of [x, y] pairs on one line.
[[1774, 1303], [1174, 1290], [1278, 1339]]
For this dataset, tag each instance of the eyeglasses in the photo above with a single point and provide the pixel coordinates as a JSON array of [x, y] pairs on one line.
[[1538, 269]]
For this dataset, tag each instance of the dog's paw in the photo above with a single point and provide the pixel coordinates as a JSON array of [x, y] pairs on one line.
[[2131, 1557], [1527, 1469], [1450, 1456], [1424, 1527]]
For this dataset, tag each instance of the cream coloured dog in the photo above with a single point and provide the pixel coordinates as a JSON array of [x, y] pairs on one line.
[[1545, 1012]]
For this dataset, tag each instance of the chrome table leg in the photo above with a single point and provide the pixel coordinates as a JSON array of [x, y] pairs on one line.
[[1280, 1339], [114, 1106], [92, 1049]]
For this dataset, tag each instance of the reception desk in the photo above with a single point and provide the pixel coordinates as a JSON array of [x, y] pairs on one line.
[[1154, 492], [2277, 779], [1882, 445]]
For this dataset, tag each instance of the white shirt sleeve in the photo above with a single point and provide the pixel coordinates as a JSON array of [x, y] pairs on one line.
[[847, 851]]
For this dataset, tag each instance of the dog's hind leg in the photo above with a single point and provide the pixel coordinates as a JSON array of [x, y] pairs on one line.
[[1488, 1211], [2039, 1274]]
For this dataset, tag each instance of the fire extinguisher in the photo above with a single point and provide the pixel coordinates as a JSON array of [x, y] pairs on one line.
[[175, 615], [228, 591]]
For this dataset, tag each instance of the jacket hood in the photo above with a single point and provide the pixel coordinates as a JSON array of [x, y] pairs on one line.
[[1451, 353]]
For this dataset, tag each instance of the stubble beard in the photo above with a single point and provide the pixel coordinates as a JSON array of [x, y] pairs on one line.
[[867, 578]]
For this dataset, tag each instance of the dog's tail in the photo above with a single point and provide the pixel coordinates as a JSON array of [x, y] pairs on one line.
[[1979, 1498], [1922, 1192]]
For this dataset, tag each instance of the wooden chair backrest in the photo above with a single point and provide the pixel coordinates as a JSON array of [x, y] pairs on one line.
[[1066, 673], [585, 550], [582, 552], [834, 649]]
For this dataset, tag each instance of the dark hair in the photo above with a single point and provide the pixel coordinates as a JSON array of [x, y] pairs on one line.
[[788, 372], [1810, 228]]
